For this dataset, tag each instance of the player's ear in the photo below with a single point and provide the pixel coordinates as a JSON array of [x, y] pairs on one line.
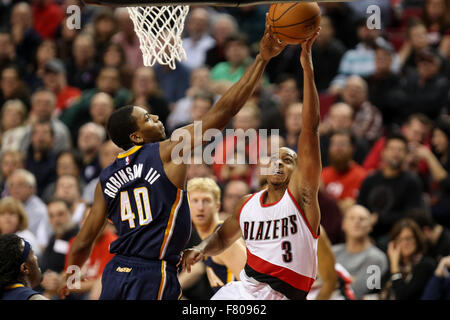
[[136, 138]]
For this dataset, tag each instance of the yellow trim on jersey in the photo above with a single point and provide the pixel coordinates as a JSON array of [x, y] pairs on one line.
[[129, 152], [163, 280], [230, 276], [170, 222], [13, 286]]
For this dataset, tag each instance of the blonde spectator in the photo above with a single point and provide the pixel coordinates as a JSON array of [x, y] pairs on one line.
[[13, 219], [13, 118]]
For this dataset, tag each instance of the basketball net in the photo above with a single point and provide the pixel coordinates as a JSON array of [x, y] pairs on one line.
[[159, 30]]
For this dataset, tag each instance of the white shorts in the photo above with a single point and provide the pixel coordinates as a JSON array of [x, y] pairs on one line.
[[247, 289]]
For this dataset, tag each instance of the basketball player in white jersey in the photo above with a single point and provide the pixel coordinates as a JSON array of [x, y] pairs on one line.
[[280, 224]]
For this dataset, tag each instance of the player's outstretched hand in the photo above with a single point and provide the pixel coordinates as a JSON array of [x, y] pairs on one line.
[[63, 291], [190, 257], [270, 46], [306, 57]]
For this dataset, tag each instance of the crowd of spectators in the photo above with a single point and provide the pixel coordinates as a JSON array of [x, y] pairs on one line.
[[385, 131]]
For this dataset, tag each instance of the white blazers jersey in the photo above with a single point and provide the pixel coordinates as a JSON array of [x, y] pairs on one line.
[[281, 245]]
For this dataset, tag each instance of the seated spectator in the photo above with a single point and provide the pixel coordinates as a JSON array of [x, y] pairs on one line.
[[367, 119], [105, 27], [47, 17], [127, 38], [8, 55], [40, 158], [147, 93], [65, 38], [414, 129], [114, 57], [180, 114], [223, 25], [249, 20], [331, 217], [198, 40], [202, 101], [358, 61], [43, 103], [68, 189], [12, 86], [237, 54], [13, 129], [67, 163], [437, 236], [55, 80], [438, 287], [409, 269], [45, 53], [340, 117], [10, 160], [93, 268], [108, 153], [52, 261], [108, 81], [358, 253], [286, 92], [82, 69], [293, 125], [425, 88], [438, 161], [438, 25], [12, 249], [13, 219], [166, 77], [384, 84], [416, 42], [22, 186], [390, 191], [234, 191], [343, 178], [199, 169], [102, 106], [26, 39], [90, 139]]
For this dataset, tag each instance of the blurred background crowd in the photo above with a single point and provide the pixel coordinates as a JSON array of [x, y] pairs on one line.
[[384, 135]]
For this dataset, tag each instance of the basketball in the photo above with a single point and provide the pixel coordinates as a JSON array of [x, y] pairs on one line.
[[294, 22]]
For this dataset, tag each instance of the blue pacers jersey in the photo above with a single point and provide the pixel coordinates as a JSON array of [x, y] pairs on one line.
[[150, 214], [219, 270]]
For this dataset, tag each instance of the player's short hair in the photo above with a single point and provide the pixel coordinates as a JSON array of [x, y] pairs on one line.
[[10, 259], [121, 124], [205, 185]]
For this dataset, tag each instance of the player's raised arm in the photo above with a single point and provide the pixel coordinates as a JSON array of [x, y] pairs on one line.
[[232, 101], [216, 243], [304, 183], [84, 241]]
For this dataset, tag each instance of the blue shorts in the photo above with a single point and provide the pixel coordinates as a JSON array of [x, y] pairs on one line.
[[132, 278]]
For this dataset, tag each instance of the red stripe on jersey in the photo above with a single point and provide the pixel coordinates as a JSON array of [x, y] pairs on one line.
[[293, 278], [303, 215]]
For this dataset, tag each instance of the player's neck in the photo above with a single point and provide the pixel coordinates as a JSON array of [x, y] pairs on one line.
[[274, 193]]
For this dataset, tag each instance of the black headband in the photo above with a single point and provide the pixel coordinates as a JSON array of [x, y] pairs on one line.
[[26, 251]]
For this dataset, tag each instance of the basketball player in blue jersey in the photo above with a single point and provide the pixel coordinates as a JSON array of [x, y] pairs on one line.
[[19, 269], [204, 201], [280, 224], [142, 192]]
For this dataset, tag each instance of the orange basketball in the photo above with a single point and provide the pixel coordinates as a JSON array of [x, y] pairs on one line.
[[294, 22]]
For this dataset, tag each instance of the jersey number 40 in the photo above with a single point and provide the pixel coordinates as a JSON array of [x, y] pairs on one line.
[[142, 204]]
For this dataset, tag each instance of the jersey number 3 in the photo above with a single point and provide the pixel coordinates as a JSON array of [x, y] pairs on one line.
[[142, 204]]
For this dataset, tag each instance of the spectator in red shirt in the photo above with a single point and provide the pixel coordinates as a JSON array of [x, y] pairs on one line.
[[343, 178], [47, 17], [93, 268], [55, 80], [415, 130]]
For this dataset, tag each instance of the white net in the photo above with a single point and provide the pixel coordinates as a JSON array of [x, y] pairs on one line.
[[159, 30]]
